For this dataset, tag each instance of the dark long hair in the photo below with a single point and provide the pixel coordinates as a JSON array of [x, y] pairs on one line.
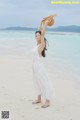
[[43, 52]]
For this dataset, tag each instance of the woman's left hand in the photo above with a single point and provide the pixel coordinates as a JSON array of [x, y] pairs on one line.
[[47, 21]]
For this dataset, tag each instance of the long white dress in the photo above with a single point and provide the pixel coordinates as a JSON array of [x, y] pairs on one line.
[[43, 85]]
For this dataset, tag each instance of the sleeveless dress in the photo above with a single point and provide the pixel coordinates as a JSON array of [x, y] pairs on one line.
[[43, 85]]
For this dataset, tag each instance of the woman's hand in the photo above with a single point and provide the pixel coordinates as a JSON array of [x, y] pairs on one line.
[[47, 21]]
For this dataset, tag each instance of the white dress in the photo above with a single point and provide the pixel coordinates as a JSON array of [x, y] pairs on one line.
[[43, 85]]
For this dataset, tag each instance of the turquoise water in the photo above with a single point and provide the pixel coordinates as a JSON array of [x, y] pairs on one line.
[[64, 48], [15, 34], [60, 45]]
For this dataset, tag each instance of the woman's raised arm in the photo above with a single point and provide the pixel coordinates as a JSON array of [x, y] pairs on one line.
[[45, 27], [40, 26]]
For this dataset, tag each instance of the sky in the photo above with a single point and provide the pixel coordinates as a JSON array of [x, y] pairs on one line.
[[29, 13]]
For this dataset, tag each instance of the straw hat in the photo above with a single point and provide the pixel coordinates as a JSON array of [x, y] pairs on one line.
[[50, 18]]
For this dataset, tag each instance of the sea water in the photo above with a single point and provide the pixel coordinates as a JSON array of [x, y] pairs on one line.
[[63, 50]]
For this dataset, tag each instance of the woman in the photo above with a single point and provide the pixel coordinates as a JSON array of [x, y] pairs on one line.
[[42, 84]]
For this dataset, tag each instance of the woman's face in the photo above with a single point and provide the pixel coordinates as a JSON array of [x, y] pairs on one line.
[[38, 37]]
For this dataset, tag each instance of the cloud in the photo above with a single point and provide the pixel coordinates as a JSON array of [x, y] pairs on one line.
[[29, 13]]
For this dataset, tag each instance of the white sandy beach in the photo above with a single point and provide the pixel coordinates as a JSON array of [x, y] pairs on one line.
[[17, 92]]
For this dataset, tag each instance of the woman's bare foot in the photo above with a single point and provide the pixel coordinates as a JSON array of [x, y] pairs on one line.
[[36, 102], [46, 104]]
